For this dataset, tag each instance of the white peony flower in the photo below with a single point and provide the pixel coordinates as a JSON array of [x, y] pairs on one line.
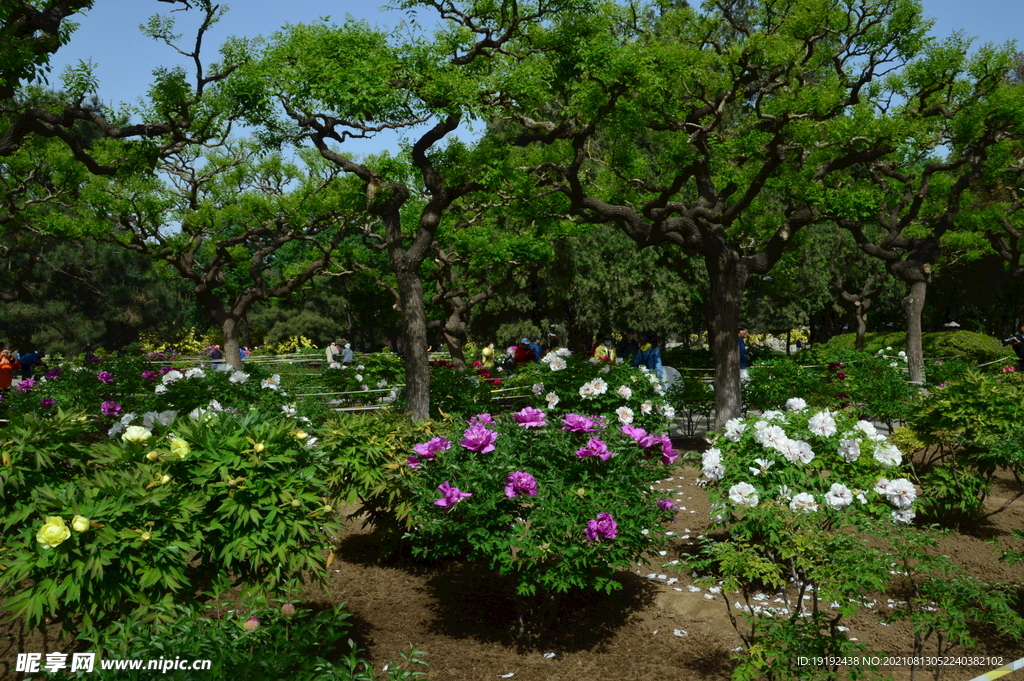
[[771, 415], [902, 516], [882, 486], [272, 383], [804, 452], [164, 418], [646, 407], [538, 389], [790, 450], [894, 365], [383, 384], [360, 367], [625, 415], [804, 502], [901, 353], [288, 411], [128, 418], [364, 387], [867, 428], [618, 360], [771, 436], [669, 412], [624, 391], [160, 389], [552, 400], [563, 352], [822, 424], [115, 430], [334, 365], [149, 419], [711, 457], [743, 494], [859, 494], [888, 455], [901, 493], [796, 404], [734, 430], [593, 360], [171, 376], [785, 493], [359, 378], [238, 377], [557, 364], [605, 369], [195, 373], [763, 466], [849, 450], [839, 496], [714, 471]]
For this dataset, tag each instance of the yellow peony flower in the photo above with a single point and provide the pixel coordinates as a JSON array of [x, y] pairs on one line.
[[153, 456], [300, 435], [258, 447], [180, 447], [80, 524], [53, 532], [136, 434], [164, 479]]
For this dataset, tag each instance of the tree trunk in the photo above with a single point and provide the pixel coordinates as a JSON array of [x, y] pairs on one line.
[[229, 329], [455, 337], [860, 312], [414, 336], [727, 284], [913, 306]]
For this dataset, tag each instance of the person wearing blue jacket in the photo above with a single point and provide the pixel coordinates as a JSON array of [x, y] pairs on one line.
[[744, 354], [649, 355]]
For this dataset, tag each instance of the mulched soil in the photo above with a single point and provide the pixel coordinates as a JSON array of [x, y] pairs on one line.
[[462, 616]]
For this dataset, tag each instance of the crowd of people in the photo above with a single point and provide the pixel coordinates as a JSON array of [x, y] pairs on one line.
[[21, 364], [629, 349]]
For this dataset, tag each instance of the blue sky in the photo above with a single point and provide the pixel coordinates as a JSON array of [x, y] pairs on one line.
[[125, 59]]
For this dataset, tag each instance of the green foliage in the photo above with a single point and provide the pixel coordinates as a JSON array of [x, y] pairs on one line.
[[693, 400], [968, 429], [455, 392], [368, 454], [975, 348], [310, 644], [540, 540], [160, 518], [774, 381], [820, 577]]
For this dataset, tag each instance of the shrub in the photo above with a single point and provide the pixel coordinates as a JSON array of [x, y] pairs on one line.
[[95, 531], [558, 510], [975, 348], [693, 400], [774, 381], [693, 358]]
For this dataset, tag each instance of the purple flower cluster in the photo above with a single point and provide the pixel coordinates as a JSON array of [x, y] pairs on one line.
[[575, 423], [530, 418], [519, 483], [649, 440], [47, 402], [150, 375], [25, 386], [478, 438], [109, 408], [602, 528], [667, 505], [480, 420], [426, 451], [105, 376], [53, 374], [595, 447], [451, 495]]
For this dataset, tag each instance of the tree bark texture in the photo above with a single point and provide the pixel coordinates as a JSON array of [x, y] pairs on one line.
[[728, 280], [913, 306]]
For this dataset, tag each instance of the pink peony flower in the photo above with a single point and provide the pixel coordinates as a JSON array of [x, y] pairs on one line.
[[519, 483], [105, 376], [479, 439], [575, 423], [530, 418], [603, 527], [452, 495], [594, 447]]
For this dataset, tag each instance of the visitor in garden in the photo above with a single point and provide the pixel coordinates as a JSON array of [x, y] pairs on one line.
[[8, 365], [90, 356], [29, 361], [1017, 341], [606, 350], [487, 355], [216, 356], [537, 349], [334, 352], [523, 352], [628, 346], [744, 354], [649, 355], [347, 356]]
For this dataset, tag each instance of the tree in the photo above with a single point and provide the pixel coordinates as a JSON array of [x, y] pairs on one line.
[[337, 83], [746, 108], [238, 225]]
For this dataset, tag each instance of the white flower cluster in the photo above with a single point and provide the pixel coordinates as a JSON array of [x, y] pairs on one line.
[[901, 494], [272, 383]]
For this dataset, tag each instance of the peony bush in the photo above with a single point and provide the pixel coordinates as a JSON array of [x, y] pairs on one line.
[[557, 502], [818, 464]]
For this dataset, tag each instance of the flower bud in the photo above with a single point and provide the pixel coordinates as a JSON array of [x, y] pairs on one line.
[[328, 508], [296, 503], [80, 524], [252, 624], [164, 479], [300, 435], [258, 448], [232, 482], [145, 536], [153, 456], [288, 609]]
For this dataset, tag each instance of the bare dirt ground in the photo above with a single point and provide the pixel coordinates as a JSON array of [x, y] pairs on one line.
[[462, 616]]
